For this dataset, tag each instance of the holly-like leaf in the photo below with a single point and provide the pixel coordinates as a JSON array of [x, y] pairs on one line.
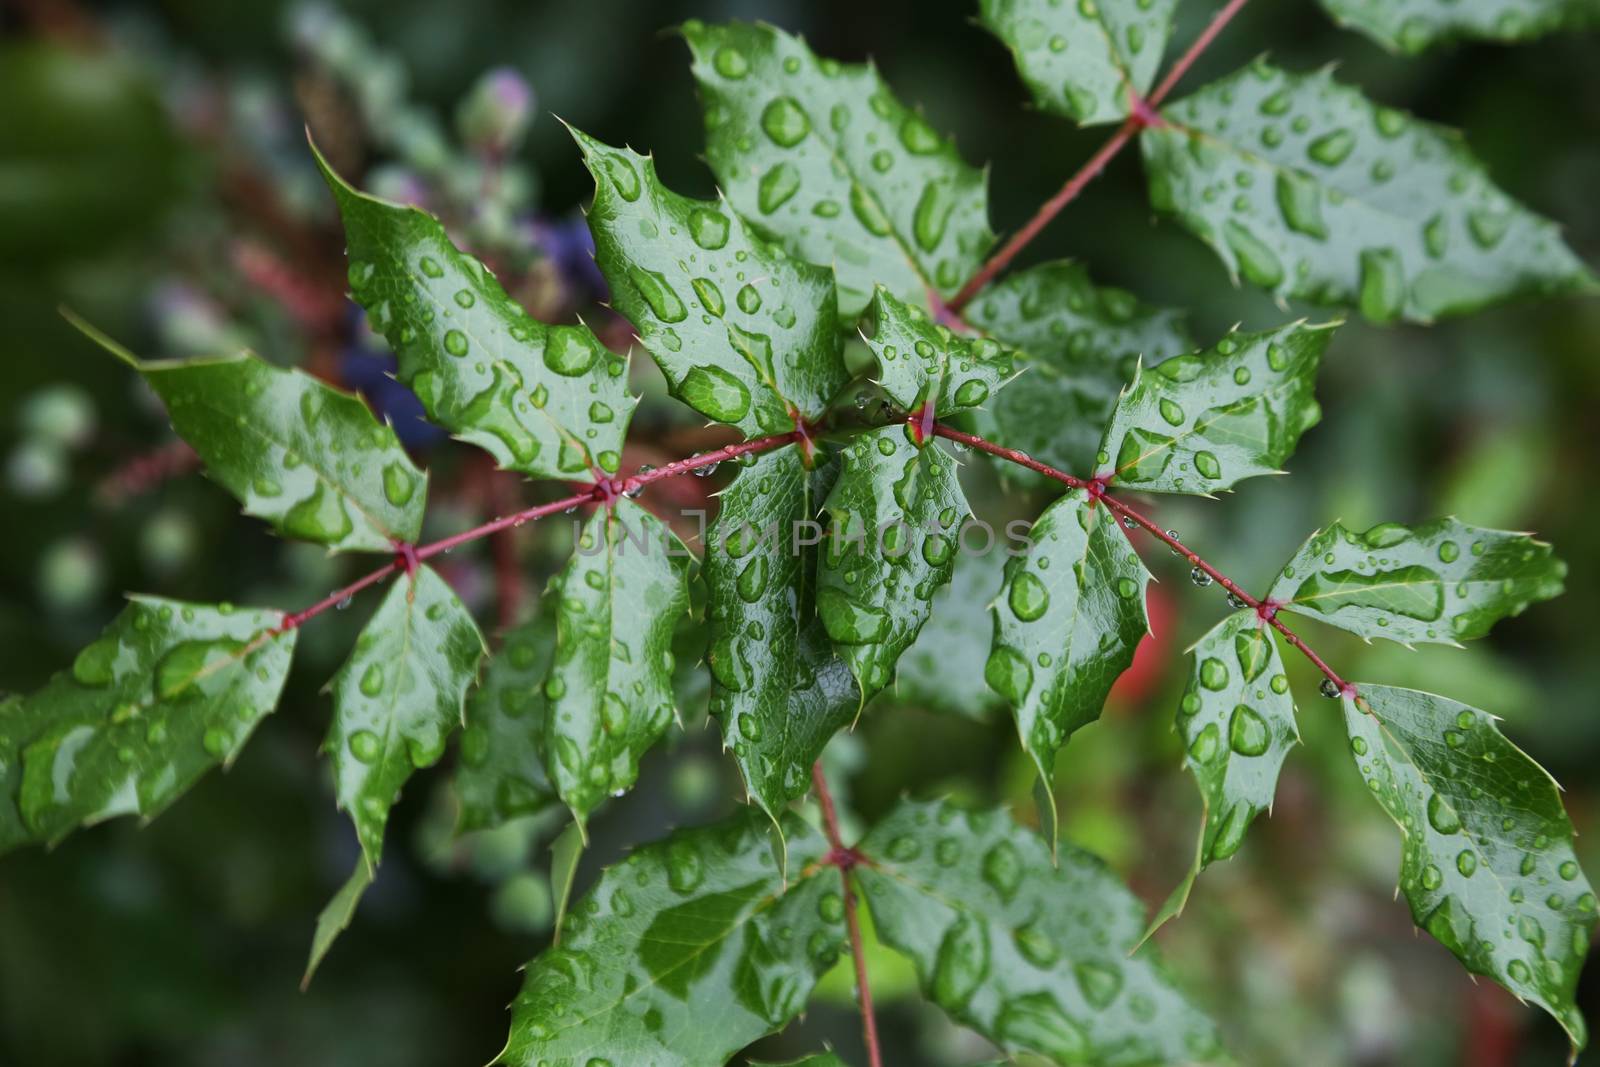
[[1441, 582], [548, 401], [778, 689], [894, 518], [744, 334], [1067, 622], [1202, 422], [165, 693], [309, 458], [1412, 26], [335, 917], [821, 155], [398, 696], [1487, 863], [943, 668], [1031, 953], [1308, 189], [610, 684], [1086, 61], [684, 953], [1237, 720], [1081, 343], [920, 361], [501, 774]]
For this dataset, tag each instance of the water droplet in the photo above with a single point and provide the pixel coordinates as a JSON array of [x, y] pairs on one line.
[[1029, 599], [961, 964], [777, 187], [785, 122], [1002, 869], [1247, 732], [1199, 577], [1008, 673], [398, 484], [715, 393], [1332, 148], [1099, 982], [848, 621], [372, 680], [708, 228], [365, 746], [730, 62], [455, 343]]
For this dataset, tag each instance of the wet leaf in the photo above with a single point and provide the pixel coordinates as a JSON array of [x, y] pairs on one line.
[[501, 772], [335, 917], [943, 668], [1412, 26], [920, 361]]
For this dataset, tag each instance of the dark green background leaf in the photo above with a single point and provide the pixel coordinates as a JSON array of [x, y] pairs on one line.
[[501, 774], [1413, 25]]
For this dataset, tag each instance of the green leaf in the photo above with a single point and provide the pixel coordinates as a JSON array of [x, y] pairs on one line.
[[398, 696], [821, 1059], [684, 953], [549, 401], [1033, 955], [610, 684], [744, 334], [1084, 60], [165, 693], [1308, 189], [501, 775], [778, 689], [1441, 582], [943, 668], [1081, 344], [1237, 720], [565, 852], [894, 517], [1487, 863], [1067, 622], [819, 154], [335, 917], [308, 458], [920, 361], [1413, 25], [1203, 422]]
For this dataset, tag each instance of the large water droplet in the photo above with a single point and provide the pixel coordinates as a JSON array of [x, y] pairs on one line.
[[785, 122], [1247, 731], [962, 963], [715, 393]]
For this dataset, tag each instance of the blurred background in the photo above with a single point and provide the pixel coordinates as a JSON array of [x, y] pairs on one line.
[[154, 175]]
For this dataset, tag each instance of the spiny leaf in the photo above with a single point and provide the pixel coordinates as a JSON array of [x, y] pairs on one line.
[[1032, 954], [549, 401], [921, 362], [1202, 422], [894, 518], [744, 334], [1487, 863], [1440, 581], [610, 685], [1413, 25], [1306, 188], [335, 917], [398, 696], [1081, 344], [165, 693], [943, 668], [820, 154], [1083, 59], [1067, 622], [684, 953], [502, 771], [778, 688], [1237, 723]]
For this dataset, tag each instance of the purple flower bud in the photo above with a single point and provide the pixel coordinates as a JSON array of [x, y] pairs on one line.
[[494, 115]]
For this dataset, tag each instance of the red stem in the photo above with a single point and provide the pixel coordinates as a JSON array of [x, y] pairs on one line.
[[845, 859], [1143, 114]]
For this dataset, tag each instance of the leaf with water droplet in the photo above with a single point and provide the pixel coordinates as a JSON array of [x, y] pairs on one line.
[[335, 917], [1237, 722], [1487, 861], [610, 682], [398, 697], [753, 363], [168, 691], [1083, 59], [1440, 582], [702, 918], [483, 368], [1307, 188], [920, 361], [1067, 622], [1202, 422], [943, 668], [1033, 954], [1413, 26], [915, 215]]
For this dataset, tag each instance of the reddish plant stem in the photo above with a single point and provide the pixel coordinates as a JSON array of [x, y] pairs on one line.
[[845, 859], [716, 456], [1143, 114]]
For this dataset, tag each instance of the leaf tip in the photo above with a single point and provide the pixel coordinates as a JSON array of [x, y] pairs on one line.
[[99, 337]]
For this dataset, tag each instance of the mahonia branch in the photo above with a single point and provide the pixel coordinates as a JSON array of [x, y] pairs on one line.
[[845, 858]]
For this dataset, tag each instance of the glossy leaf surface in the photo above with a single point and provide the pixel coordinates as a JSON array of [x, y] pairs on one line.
[[610, 684], [1487, 862], [1308, 189], [822, 156], [398, 697], [1033, 954], [1413, 25], [1201, 423], [336, 916], [501, 774], [745, 334], [920, 361], [1440, 581], [684, 953], [1085, 60], [548, 401]]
